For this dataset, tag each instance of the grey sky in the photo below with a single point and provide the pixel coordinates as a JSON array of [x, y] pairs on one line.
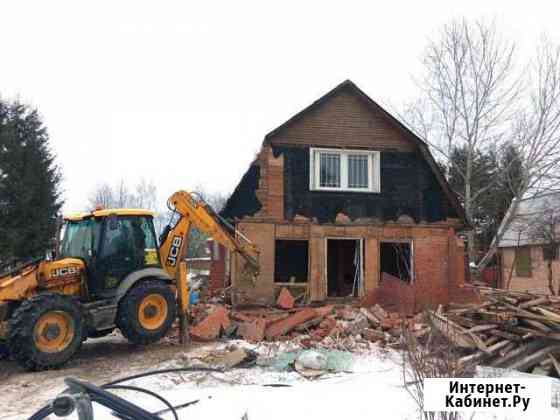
[[182, 93]]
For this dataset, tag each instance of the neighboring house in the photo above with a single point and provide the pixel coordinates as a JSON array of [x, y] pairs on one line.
[[528, 251], [345, 201]]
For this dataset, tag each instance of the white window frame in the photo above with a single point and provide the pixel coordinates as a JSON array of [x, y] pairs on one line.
[[374, 172]]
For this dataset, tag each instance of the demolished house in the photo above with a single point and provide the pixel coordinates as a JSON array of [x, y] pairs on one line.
[[344, 201]]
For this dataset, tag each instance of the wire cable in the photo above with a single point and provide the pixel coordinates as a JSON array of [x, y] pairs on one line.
[[159, 372], [147, 391]]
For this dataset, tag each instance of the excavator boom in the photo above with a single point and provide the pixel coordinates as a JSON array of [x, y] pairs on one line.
[[194, 211]]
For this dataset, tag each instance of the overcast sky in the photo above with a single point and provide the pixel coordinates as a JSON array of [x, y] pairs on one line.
[[182, 93]]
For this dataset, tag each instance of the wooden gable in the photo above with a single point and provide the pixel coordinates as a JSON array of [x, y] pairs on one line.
[[342, 120]]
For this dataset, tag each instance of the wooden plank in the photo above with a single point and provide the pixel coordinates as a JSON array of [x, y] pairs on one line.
[[533, 302], [455, 333], [552, 316], [535, 358]]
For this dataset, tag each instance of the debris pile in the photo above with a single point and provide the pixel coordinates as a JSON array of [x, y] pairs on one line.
[[513, 330], [340, 327]]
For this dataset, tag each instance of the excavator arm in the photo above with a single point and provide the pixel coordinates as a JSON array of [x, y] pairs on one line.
[[193, 211]]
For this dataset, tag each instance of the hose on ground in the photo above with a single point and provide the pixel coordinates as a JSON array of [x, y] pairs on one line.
[[147, 391], [106, 398]]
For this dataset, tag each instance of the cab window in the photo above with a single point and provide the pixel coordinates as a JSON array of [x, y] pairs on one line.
[[131, 239], [80, 238]]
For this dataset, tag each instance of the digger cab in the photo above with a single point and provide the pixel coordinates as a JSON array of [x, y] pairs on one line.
[[113, 243]]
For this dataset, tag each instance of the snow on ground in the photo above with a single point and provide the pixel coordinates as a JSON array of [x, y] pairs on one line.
[[372, 388]]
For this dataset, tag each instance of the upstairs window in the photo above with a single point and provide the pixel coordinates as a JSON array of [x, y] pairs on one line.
[[344, 170]]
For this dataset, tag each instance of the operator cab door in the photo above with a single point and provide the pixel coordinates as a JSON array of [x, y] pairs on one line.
[[128, 244]]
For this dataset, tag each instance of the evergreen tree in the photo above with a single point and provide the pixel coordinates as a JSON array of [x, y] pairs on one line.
[[29, 184]]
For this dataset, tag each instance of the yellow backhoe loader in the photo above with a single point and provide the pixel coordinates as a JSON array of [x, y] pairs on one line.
[[108, 273]]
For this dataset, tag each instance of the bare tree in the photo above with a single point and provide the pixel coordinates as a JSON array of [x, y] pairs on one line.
[[145, 195], [470, 92], [536, 132], [101, 196], [197, 244], [121, 196], [216, 199], [434, 358]]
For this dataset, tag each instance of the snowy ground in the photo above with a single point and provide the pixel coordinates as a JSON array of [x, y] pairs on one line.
[[372, 388]]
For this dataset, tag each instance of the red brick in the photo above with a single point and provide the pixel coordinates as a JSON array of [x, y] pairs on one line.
[[273, 318], [286, 325], [285, 299], [325, 328], [324, 310], [238, 316], [210, 327], [253, 331], [346, 313]]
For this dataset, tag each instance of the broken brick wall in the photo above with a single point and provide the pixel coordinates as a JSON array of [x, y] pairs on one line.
[[218, 255], [437, 269], [273, 201], [395, 294]]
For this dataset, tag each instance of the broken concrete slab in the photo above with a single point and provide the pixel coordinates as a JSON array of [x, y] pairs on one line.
[[373, 320], [357, 326], [379, 312]]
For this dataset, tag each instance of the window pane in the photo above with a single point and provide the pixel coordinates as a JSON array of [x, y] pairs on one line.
[[358, 171], [330, 170]]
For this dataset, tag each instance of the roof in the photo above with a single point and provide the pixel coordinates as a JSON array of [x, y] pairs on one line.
[[109, 212], [529, 214], [404, 130]]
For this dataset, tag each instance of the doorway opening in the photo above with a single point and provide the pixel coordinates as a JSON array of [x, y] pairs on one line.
[[344, 267], [396, 260]]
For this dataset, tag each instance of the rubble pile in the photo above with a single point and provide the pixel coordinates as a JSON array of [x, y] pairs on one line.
[[512, 330], [337, 327]]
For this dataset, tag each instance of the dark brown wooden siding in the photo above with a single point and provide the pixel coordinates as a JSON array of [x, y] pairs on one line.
[[343, 121]]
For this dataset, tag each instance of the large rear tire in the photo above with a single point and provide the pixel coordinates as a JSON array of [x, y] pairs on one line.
[[146, 312], [3, 350], [45, 331]]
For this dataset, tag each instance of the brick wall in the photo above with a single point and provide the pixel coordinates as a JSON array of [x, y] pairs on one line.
[[217, 266], [270, 190], [396, 295], [203, 263], [344, 120], [435, 279], [538, 282]]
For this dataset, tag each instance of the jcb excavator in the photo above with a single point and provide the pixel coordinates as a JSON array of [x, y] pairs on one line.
[[109, 273]]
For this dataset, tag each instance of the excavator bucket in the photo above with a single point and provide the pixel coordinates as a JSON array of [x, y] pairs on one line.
[[249, 273]]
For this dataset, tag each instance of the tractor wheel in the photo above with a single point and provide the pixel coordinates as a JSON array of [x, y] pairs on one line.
[[3, 350], [45, 331], [146, 312]]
